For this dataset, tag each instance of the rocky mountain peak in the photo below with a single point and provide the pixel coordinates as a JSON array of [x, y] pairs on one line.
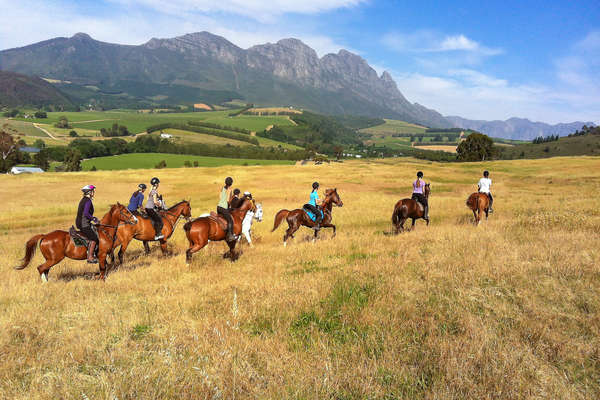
[[81, 36]]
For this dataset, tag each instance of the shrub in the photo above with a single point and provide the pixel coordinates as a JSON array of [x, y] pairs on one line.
[[40, 114], [73, 134], [161, 165]]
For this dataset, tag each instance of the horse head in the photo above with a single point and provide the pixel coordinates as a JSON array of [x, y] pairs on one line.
[[120, 213], [259, 212], [333, 197], [427, 190], [186, 210]]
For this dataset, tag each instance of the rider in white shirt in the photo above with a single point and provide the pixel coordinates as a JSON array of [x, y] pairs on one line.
[[484, 186]]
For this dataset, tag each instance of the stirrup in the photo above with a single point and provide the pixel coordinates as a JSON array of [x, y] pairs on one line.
[[92, 261], [158, 237]]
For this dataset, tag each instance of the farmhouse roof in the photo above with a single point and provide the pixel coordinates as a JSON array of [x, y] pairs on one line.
[[21, 170]]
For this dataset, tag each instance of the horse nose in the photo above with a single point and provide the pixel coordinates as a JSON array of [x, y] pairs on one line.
[[135, 219]]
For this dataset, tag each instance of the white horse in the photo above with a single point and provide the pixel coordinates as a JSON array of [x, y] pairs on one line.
[[247, 222]]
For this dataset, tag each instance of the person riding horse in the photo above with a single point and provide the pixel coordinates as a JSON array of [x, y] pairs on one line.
[[152, 204], [418, 195], [224, 210], [312, 205], [236, 201], [137, 199], [85, 221], [484, 186]]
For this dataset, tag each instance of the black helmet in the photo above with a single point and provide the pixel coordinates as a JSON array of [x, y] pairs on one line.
[[486, 173], [236, 191], [154, 181], [420, 174], [315, 185], [228, 181], [142, 186]]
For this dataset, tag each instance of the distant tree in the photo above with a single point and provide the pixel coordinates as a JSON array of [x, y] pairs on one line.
[[195, 164], [12, 113], [62, 123], [187, 163], [477, 147], [72, 160], [161, 165], [93, 168], [73, 134], [7, 145], [39, 143], [40, 114], [338, 151], [41, 159]]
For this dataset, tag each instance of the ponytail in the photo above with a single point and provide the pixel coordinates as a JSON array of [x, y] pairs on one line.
[[418, 182]]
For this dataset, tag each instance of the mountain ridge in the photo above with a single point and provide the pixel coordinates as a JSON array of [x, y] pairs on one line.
[[285, 72]]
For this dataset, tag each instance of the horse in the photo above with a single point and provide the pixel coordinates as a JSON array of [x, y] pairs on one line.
[[203, 229], [57, 245], [247, 222], [479, 202], [298, 217], [144, 230], [409, 208]]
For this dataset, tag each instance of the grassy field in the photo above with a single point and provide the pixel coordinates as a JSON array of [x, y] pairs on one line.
[[392, 126], [180, 136], [507, 310], [149, 160], [566, 146]]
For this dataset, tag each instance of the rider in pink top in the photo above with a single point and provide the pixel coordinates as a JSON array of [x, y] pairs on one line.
[[418, 187]]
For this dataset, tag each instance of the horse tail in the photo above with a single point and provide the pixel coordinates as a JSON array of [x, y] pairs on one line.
[[279, 217], [395, 216], [471, 203], [187, 226], [30, 248]]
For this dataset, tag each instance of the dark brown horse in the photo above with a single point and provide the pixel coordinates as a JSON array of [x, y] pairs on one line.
[[144, 230], [409, 208], [57, 245], [478, 203], [203, 229], [298, 217]]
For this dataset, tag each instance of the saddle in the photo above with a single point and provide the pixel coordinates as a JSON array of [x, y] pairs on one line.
[[78, 237], [222, 222]]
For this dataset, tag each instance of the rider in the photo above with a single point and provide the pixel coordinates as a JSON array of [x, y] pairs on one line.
[[418, 188], [484, 186], [86, 220], [152, 204], [313, 203], [137, 199], [236, 201], [224, 210]]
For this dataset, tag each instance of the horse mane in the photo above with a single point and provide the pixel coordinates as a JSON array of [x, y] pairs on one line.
[[173, 206]]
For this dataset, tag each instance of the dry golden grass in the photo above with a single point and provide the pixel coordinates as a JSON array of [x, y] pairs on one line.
[[507, 310], [446, 148]]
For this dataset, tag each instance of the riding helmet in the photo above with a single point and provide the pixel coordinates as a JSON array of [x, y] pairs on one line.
[[315, 185], [229, 181], [486, 173], [236, 191], [154, 181], [420, 174], [88, 188], [142, 186], [248, 195]]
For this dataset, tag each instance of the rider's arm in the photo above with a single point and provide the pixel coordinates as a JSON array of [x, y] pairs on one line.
[[87, 214], [155, 199]]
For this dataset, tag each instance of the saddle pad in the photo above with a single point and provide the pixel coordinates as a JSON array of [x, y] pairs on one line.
[[78, 238], [311, 215]]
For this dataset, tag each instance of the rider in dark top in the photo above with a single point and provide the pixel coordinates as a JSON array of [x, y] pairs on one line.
[[236, 201], [85, 221], [137, 199], [152, 204]]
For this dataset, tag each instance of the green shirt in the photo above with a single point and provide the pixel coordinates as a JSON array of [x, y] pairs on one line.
[[223, 200]]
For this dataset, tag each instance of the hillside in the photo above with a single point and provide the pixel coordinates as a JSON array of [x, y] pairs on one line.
[[508, 310], [517, 128], [565, 146], [17, 90], [207, 68]]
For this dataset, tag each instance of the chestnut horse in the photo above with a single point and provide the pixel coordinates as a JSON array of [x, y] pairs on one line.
[[409, 208], [479, 202], [144, 230], [57, 245], [298, 217], [203, 229]]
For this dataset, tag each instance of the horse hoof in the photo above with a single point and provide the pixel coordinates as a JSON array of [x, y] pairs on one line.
[[44, 278], [284, 244]]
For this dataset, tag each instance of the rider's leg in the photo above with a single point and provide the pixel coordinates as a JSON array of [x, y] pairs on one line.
[[225, 213], [317, 213], [491, 201], [92, 244], [157, 222]]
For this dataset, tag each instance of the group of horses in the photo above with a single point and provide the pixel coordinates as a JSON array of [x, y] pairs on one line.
[[118, 227]]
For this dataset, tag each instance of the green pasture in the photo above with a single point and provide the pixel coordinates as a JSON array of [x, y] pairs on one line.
[[150, 160], [392, 126], [181, 136]]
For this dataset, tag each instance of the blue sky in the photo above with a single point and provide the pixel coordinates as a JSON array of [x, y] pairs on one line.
[[479, 60]]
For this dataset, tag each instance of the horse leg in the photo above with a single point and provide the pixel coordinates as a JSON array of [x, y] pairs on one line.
[[163, 247], [194, 248], [289, 233], [412, 226], [248, 239], [329, 226], [123, 249], [231, 254], [146, 248], [44, 268]]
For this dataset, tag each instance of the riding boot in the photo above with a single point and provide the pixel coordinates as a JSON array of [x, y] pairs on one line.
[[490, 206], [230, 237], [91, 259], [426, 213], [158, 235]]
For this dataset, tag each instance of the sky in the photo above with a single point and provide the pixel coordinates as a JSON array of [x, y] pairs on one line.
[[483, 60]]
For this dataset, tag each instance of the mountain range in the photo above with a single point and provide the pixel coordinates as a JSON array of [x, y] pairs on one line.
[[202, 67], [517, 128]]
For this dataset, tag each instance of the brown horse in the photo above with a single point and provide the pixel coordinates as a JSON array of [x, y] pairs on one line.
[[203, 229], [298, 217], [144, 230], [479, 202], [409, 208], [57, 245]]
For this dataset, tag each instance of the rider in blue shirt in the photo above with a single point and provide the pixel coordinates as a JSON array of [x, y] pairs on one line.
[[313, 204], [137, 199]]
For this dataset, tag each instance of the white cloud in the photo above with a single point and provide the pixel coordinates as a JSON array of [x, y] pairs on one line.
[[427, 41]]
